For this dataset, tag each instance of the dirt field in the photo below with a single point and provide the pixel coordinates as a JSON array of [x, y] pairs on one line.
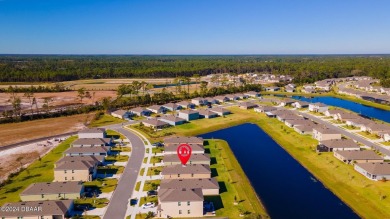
[[19, 132]]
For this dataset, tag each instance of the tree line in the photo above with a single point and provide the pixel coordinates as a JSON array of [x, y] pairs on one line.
[[305, 69]]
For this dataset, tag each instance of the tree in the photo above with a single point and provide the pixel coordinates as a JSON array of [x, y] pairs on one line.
[[30, 95], [81, 93], [136, 87], [197, 80], [203, 88], [106, 103]]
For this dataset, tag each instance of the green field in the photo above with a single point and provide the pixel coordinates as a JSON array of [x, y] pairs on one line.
[[104, 185], [106, 120], [39, 171]]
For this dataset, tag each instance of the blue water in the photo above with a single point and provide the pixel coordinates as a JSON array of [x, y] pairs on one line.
[[286, 188], [368, 111]]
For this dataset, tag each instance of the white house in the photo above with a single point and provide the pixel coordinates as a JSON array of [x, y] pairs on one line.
[[318, 107], [121, 114], [189, 115], [92, 133], [374, 170]]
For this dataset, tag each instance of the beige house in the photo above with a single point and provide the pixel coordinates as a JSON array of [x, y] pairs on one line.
[[220, 111], [180, 203], [350, 157], [92, 133], [75, 170], [209, 186], [88, 151], [180, 140], [52, 191], [374, 171], [155, 123], [92, 142], [192, 171], [172, 149], [322, 134], [59, 209], [338, 145], [173, 159]]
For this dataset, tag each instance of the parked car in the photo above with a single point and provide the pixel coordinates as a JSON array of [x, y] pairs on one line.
[[152, 193], [148, 205], [158, 144], [133, 202]]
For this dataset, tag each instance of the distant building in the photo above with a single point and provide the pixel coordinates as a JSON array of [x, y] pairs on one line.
[[318, 107], [189, 115], [52, 191], [155, 123], [121, 114], [172, 106], [374, 170], [322, 134], [220, 111], [206, 113], [365, 156], [247, 105], [139, 111], [92, 133], [172, 120]]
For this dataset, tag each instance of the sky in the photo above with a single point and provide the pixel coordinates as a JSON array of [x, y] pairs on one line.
[[194, 26]]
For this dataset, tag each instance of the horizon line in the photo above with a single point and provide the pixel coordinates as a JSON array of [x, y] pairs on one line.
[[162, 54]]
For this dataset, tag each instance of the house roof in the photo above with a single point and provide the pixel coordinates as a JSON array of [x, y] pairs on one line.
[[325, 130], [340, 143], [53, 188], [184, 103], [170, 105], [361, 121], [188, 112], [88, 149], [173, 147], [298, 121], [359, 155], [154, 122], [219, 110], [194, 157], [138, 110], [302, 103], [154, 107], [198, 98], [184, 194], [319, 104], [290, 117], [376, 168], [345, 115], [92, 130], [251, 93], [59, 207], [119, 112], [247, 104], [283, 112], [378, 127], [210, 183], [305, 127], [182, 139], [92, 141], [336, 111], [206, 112], [188, 169], [96, 158], [172, 118], [220, 97], [75, 165]]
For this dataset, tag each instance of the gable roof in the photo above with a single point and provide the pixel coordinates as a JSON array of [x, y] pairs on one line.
[[360, 155], [189, 112], [96, 158], [325, 130], [119, 112], [171, 118], [247, 104], [376, 168], [210, 183], [138, 110], [194, 157], [340, 143], [188, 169], [53, 188], [92, 141], [206, 112], [155, 122], [75, 165], [88, 149], [93, 130], [184, 194], [182, 139], [173, 147], [59, 207], [219, 110]]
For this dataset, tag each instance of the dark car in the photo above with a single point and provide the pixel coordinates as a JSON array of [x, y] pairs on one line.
[[158, 144], [152, 193]]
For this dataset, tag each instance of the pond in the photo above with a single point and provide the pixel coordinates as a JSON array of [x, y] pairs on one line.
[[364, 110], [285, 187]]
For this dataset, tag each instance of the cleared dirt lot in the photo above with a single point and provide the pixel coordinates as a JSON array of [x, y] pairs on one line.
[[18, 132]]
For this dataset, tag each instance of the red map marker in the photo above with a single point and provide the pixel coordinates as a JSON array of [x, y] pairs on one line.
[[184, 153]]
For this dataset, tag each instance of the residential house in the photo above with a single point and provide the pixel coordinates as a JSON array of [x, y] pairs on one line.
[[186, 104], [221, 99], [220, 111], [375, 128], [189, 115], [90, 142], [173, 159], [344, 116], [193, 171], [247, 105], [232, 97], [156, 109], [331, 113], [263, 109], [172, 149], [181, 139], [287, 102], [180, 203], [323, 85], [58, 209], [358, 122], [139, 111], [338, 145], [88, 151], [305, 129], [297, 121], [172, 106], [96, 158], [318, 107], [374, 170], [242, 96], [155, 123], [210, 187], [92, 133], [199, 101], [172, 120], [322, 134], [385, 135], [284, 117], [289, 89], [350, 157], [272, 89], [75, 170], [121, 114], [206, 113], [211, 100], [52, 191], [300, 104], [252, 94], [308, 90]]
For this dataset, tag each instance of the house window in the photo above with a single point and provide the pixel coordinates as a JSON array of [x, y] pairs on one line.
[[43, 195], [192, 175], [179, 211], [64, 171], [72, 171], [179, 204], [59, 195], [42, 217], [188, 203], [66, 178], [72, 178], [178, 175], [189, 212]]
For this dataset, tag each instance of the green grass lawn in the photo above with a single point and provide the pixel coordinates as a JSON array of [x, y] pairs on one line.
[[114, 134], [386, 143], [147, 199], [233, 182], [117, 158], [350, 127], [120, 149], [151, 185], [94, 202], [142, 171], [336, 121], [369, 135], [110, 169], [152, 171], [137, 186], [105, 185], [157, 150], [156, 159], [106, 120], [39, 171], [145, 160]]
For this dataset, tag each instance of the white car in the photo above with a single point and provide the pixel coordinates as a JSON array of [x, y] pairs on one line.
[[148, 205]]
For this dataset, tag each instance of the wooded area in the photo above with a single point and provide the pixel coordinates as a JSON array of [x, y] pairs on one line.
[[305, 68]]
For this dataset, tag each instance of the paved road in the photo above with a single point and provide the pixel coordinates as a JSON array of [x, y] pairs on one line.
[[348, 134], [120, 198]]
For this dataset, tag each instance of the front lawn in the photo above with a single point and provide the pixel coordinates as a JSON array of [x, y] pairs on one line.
[[92, 202], [104, 185], [110, 169], [156, 159], [120, 149], [117, 158], [114, 134], [147, 199], [152, 171], [41, 170], [350, 127], [369, 135], [106, 120], [386, 143], [157, 150], [151, 185]]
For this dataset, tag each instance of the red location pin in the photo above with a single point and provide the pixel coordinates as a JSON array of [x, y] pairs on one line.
[[184, 153]]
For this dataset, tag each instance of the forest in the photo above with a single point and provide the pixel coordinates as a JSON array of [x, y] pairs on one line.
[[304, 68]]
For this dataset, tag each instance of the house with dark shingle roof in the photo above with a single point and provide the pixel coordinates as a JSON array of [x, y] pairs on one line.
[[208, 186], [193, 171], [173, 159], [38, 209], [374, 170], [206, 113], [337, 145], [365, 156], [52, 191]]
